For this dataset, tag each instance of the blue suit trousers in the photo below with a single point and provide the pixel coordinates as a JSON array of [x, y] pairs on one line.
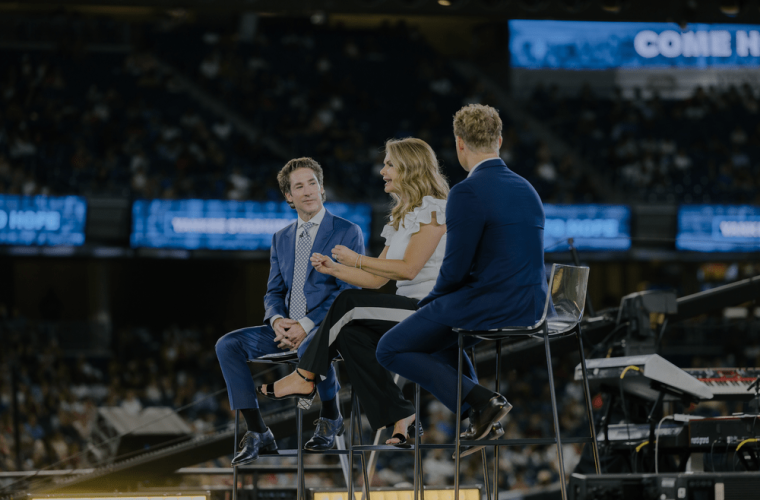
[[234, 350], [426, 352]]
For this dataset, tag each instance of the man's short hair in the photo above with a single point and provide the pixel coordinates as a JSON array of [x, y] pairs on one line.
[[479, 126], [283, 178]]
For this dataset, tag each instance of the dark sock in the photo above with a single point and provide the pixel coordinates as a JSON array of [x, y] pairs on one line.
[[478, 397], [330, 409], [253, 420]]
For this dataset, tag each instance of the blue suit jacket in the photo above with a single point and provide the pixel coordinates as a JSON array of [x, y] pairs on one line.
[[320, 289], [493, 271]]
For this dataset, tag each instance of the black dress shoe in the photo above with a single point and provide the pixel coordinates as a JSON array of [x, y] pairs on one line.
[[497, 431], [252, 444], [324, 435], [481, 421]]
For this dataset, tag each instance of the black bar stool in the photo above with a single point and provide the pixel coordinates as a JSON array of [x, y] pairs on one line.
[[291, 358], [419, 476], [567, 294], [362, 448]]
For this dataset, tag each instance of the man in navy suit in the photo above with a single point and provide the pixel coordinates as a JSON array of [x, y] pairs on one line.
[[492, 274], [296, 302]]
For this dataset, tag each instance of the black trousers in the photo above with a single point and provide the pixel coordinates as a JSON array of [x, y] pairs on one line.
[[353, 326]]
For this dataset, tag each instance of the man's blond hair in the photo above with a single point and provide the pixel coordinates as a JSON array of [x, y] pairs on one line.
[[479, 126]]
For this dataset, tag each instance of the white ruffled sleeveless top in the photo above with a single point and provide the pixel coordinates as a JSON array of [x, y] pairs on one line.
[[423, 283]]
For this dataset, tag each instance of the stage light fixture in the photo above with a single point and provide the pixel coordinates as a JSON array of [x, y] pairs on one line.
[[613, 6], [731, 8], [494, 4]]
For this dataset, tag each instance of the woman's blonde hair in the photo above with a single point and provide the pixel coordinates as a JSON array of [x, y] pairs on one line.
[[419, 175]]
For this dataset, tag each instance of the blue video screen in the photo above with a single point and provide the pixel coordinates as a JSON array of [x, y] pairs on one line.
[[222, 224], [718, 228], [592, 227], [42, 220], [605, 45]]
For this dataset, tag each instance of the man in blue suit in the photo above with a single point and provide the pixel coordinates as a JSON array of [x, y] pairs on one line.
[[492, 274], [296, 302]]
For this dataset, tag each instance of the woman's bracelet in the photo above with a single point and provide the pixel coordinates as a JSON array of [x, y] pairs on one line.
[[360, 261], [357, 259]]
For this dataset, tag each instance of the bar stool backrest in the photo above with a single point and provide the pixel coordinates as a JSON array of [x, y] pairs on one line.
[[566, 298]]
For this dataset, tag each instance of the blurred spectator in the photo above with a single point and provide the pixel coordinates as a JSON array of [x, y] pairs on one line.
[[658, 150], [129, 130]]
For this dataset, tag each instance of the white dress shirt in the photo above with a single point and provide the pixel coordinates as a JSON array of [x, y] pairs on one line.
[[306, 323]]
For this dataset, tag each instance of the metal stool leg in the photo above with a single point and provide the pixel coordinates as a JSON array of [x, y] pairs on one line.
[[563, 486], [234, 451], [418, 481], [485, 472], [351, 448], [359, 424], [343, 459], [363, 459], [422, 481], [496, 447], [458, 417], [301, 482], [589, 409], [366, 477], [483, 450], [355, 409], [341, 440]]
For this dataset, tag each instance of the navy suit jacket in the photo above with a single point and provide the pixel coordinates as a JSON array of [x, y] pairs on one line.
[[493, 271], [320, 289]]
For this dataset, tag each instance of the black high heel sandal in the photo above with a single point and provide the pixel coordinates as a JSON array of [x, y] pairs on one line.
[[304, 400], [402, 439]]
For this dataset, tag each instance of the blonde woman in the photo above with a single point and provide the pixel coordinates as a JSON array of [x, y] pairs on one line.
[[415, 244]]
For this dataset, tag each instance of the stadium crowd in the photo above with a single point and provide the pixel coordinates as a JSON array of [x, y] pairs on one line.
[[704, 149], [110, 125], [104, 124]]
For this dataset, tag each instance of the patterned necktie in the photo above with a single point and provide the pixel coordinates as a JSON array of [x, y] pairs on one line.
[[303, 250]]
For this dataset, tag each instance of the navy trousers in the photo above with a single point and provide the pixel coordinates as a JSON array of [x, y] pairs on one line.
[[235, 348], [426, 352]]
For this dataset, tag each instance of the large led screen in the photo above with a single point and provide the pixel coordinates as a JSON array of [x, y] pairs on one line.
[[42, 220], [606, 45], [718, 228], [592, 227], [223, 225]]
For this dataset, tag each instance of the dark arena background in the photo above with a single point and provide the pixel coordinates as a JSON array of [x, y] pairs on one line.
[[139, 146]]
